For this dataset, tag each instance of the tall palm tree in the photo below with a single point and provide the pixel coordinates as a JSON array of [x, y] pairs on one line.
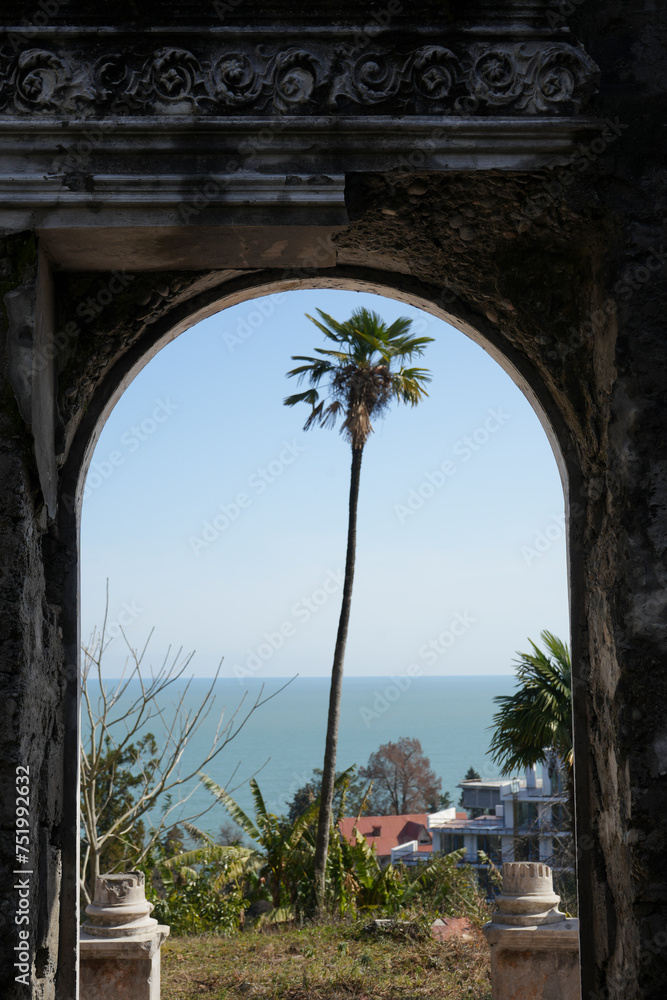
[[362, 373], [538, 717]]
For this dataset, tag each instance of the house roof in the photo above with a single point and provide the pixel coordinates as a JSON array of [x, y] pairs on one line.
[[385, 832], [445, 816], [491, 783], [479, 824]]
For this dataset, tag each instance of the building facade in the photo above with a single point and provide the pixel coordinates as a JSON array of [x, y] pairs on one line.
[[524, 819]]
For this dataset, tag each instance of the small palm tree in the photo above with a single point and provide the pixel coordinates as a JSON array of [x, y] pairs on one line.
[[537, 718], [284, 855], [363, 372], [283, 849]]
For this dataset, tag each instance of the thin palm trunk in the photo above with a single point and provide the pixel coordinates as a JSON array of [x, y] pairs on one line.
[[329, 767]]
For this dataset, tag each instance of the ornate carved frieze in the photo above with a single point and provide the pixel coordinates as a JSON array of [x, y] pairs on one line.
[[243, 123], [242, 75]]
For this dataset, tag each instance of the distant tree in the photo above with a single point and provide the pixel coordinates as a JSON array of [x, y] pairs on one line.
[[471, 775], [231, 835], [350, 799], [444, 802], [173, 841], [304, 797], [403, 781]]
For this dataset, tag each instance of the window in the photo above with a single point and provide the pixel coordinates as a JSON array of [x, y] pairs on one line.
[[491, 844], [452, 842], [527, 815], [560, 816], [527, 849]]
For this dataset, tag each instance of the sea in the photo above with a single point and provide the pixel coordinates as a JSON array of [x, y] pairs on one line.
[[276, 730]]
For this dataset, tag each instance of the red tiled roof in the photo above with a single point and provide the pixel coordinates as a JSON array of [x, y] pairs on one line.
[[393, 830]]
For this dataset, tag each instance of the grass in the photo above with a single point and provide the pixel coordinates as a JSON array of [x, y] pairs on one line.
[[324, 963]]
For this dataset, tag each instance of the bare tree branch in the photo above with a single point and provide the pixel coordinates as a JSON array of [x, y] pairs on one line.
[[118, 740]]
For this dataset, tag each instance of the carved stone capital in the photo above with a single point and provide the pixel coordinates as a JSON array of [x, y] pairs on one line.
[[119, 908], [528, 897]]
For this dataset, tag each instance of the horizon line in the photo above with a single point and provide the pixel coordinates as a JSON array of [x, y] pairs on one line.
[[324, 677]]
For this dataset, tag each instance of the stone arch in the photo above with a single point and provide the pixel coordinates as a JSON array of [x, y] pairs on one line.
[[496, 158], [441, 303]]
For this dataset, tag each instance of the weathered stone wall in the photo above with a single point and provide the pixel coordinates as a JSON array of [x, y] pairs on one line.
[[32, 679], [625, 579], [563, 272]]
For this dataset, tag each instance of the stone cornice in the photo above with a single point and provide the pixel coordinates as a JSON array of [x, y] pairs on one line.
[[457, 15], [171, 171], [253, 124]]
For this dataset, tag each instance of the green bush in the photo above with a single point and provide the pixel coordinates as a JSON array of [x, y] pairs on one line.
[[198, 891], [200, 902]]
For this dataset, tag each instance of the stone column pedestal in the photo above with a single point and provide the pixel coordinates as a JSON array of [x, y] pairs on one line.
[[534, 947], [119, 945]]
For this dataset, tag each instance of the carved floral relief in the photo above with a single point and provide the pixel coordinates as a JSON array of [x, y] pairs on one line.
[[528, 78]]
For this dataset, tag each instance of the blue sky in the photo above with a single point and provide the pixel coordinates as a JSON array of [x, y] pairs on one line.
[[221, 524]]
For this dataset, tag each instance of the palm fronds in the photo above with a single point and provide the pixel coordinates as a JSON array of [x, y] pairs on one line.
[[538, 716], [360, 376]]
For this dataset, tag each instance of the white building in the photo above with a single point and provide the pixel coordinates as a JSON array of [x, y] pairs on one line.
[[528, 820]]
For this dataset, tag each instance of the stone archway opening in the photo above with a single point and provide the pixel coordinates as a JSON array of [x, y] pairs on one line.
[[361, 282]]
